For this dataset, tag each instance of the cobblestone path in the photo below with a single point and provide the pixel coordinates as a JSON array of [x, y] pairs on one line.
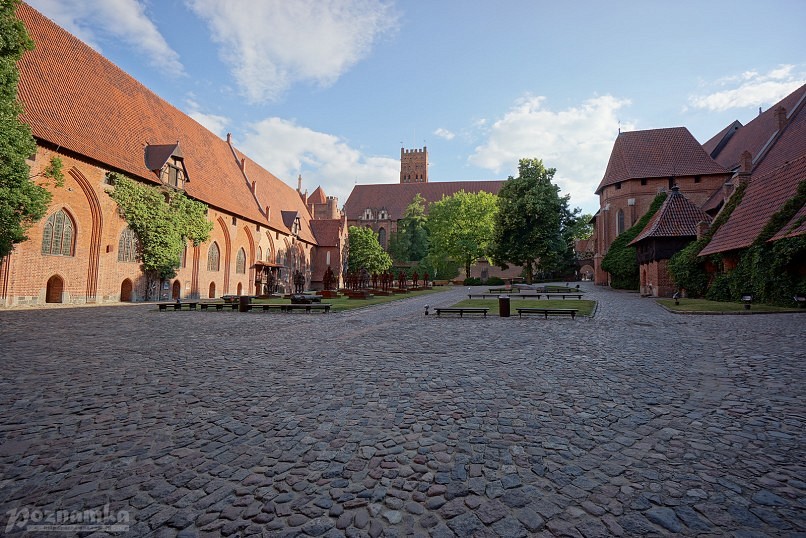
[[385, 422]]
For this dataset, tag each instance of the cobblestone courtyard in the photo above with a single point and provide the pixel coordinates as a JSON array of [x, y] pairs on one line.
[[385, 422]]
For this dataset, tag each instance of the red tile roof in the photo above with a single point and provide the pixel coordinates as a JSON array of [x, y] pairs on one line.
[[317, 197], [755, 135], [657, 153], [676, 217], [764, 196], [396, 197], [78, 100]]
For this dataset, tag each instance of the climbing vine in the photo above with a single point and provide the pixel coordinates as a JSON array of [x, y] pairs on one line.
[[163, 221], [621, 260]]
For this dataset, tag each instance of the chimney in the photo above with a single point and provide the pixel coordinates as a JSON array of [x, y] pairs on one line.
[[745, 166], [229, 138], [780, 117], [702, 229], [242, 164], [254, 188], [299, 184]]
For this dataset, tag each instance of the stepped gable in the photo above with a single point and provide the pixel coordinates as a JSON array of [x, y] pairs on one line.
[[676, 217], [657, 153], [764, 196], [396, 197], [754, 136], [78, 101]]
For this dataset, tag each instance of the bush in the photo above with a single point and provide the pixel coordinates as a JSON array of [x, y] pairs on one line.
[[472, 281], [621, 260], [720, 289], [495, 281]]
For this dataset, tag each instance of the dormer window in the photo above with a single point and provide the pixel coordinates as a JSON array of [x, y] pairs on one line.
[[168, 163], [296, 227], [367, 214]]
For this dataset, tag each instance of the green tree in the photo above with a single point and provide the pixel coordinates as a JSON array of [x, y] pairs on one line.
[[534, 225], [22, 202], [410, 242], [364, 251], [461, 226], [163, 220]]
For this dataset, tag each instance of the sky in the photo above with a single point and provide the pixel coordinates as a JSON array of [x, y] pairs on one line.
[[333, 89]]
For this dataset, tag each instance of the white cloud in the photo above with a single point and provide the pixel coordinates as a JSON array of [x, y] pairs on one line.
[[272, 44], [751, 89], [125, 20], [213, 122], [444, 133], [287, 149], [576, 141]]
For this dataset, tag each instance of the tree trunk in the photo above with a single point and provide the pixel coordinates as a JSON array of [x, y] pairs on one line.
[[529, 272], [467, 268]]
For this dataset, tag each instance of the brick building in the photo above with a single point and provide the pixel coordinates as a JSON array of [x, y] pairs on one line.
[[381, 206], [97, 120], [769, 153]]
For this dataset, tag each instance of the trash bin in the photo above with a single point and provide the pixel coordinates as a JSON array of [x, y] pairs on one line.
[[503, 306], [243, 303]]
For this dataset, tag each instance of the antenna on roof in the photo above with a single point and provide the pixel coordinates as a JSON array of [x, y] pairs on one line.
[[619, 126]]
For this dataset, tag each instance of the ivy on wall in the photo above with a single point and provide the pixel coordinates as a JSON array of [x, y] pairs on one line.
[[163, 221], [621, 260]]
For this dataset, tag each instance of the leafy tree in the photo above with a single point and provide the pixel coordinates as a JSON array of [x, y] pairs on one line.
[[163, 221], [410, 242], [580, 227], [365, 251], [461, 226], [534, 224], [22, 202]]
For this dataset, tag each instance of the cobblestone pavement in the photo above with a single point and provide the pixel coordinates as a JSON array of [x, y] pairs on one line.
[[385, 422]]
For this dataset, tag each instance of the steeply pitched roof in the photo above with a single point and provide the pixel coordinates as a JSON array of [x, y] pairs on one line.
[[396, 197], [317, 197], [657, 153], [755, 135], [79, 101], [676, 217], [764, 197]]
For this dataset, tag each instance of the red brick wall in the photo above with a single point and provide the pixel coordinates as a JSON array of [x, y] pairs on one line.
[[94, 273]]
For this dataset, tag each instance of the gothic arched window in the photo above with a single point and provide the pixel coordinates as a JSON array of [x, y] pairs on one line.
[[240, 262], [127, 246], [213, 257], [58, 238]]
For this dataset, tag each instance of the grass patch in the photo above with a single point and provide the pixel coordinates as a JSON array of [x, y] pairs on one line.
[[704, 305], [344, 303], [585, 307]]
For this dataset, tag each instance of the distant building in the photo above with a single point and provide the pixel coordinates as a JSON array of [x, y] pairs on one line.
[[381, 206]]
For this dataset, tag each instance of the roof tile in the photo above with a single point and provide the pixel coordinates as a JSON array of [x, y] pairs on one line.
[[676, 217]]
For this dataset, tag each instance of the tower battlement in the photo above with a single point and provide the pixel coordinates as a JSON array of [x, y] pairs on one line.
[[414, 165]]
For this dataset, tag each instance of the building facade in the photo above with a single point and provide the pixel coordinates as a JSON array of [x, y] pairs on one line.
[[84, 252]]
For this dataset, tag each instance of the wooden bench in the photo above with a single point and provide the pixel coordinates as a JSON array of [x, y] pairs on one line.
[[266, 307], [177, 306], [462, 310], [505, 290], [288, 308], [496, 295], [546, 311], [563, 295], [219, 306]]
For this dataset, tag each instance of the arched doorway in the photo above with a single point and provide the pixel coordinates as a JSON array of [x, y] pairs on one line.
[[240, 288], [126, 291], [55, 288], [211, 295], [176, 291]]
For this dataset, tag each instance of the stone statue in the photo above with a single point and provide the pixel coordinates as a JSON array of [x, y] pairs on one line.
[[374, 280], [327, 279], [299, 282], [415, 278], [363, 279], [401, 280]]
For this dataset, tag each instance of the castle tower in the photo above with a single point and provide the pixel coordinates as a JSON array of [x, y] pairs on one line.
[[414, 165]]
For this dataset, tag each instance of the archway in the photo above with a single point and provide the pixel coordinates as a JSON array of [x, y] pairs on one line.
[[126, 291], [176, 291], [240, 288], [55, 288], [211, 295]]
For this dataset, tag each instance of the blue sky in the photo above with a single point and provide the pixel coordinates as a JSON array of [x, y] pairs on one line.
[[331, 89]]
